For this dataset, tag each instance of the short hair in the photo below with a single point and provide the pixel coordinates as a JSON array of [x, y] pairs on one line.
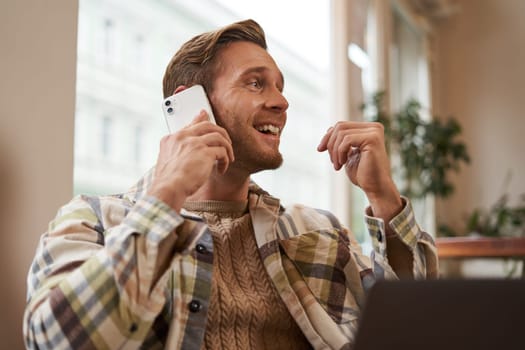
[[195, 62]]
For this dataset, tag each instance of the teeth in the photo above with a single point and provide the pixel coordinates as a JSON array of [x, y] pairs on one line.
[[268, 128]]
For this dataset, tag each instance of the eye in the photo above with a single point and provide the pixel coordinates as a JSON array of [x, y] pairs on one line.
[[256, 83]]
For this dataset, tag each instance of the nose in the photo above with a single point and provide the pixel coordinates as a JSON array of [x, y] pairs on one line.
[[276, 101]]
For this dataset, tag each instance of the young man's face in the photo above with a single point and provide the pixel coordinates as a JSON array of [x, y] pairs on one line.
[[248, 102]]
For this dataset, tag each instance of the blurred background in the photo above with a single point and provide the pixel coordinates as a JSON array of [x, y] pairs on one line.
[[80, 112]]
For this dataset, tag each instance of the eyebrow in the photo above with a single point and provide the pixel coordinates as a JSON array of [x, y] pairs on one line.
[[262, 69]]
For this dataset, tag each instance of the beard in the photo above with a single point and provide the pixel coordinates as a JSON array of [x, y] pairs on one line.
[[252, 154], [250, 157]]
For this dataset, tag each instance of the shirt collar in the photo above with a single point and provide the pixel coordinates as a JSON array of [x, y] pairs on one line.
[[140, 188]]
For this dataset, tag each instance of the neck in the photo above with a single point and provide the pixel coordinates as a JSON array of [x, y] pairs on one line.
[[227, 187]]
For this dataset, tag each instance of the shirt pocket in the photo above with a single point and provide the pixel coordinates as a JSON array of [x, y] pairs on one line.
[[323, 260]]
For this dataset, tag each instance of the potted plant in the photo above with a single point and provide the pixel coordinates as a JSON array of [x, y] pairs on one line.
[[426, 150], [500, 220]]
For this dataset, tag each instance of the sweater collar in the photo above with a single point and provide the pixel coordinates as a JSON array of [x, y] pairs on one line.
[[140, 189]]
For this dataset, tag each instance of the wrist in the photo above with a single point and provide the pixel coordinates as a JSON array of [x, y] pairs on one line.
[[171, 194], [386, 205]]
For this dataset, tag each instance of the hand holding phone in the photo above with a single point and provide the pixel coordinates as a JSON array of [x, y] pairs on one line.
[[181, 108], [183, 167]]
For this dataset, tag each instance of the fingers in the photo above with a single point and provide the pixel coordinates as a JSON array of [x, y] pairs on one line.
[[347, 137], [324, 141], [201, 130], [201, 125], [222, 159], [341, 126], [202, 116], [188, 157], [349, 144], [216, 140], [200, 139]]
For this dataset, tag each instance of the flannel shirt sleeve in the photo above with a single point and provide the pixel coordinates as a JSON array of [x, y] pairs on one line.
[[92, 287], [409, 239]]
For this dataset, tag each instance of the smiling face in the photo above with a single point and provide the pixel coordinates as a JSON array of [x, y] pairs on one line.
[[248, 102]]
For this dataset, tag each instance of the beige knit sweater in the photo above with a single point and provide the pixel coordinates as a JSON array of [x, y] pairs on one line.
[[245, 310]]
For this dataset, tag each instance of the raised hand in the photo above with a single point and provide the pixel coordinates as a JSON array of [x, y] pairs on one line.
[[187, 158], [360, 147]]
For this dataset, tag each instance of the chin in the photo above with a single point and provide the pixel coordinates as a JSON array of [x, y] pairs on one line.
[[263, 163]]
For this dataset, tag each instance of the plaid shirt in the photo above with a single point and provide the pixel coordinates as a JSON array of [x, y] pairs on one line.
[[128, 272]]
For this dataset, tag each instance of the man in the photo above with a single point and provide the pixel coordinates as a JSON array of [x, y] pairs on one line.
[[196, 256]]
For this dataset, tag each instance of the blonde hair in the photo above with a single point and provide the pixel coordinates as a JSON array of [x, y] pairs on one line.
[[196, 60]]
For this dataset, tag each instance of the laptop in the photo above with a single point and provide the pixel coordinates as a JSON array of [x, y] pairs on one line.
[[443, 315]]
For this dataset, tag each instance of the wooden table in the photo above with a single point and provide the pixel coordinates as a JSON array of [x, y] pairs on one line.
[[482, 247]]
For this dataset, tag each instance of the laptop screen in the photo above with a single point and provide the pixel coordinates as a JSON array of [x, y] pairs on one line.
[[443, 314]]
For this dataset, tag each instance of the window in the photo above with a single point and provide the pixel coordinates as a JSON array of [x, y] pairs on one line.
[[137, 143], [139, 51], [106, 136], [410, 79], [108, 38], [409, 63], [362, 53], [396, 44]]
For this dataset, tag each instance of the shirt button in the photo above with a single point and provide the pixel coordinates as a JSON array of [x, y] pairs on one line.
[[194, 306], [201, 249], [379, 236]]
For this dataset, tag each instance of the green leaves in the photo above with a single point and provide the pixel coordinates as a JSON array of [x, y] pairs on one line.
[[427, 150], [501, 219]]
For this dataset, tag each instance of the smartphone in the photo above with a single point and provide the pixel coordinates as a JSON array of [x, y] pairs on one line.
[[181, 108]]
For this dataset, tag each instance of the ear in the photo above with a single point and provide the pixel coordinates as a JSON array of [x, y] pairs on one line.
[[180, 88]]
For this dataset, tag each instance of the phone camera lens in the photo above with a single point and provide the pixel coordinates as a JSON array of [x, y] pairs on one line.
[[167, 103], [170, 110]]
